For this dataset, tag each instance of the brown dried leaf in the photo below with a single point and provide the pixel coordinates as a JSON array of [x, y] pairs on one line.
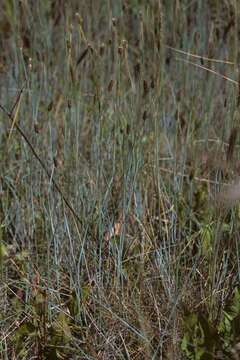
[[115, 230]]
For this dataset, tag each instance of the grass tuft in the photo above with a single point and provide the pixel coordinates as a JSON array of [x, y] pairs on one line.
[[119, 194]]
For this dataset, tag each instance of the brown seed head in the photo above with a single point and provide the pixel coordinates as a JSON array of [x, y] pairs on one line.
[[110, 85], [137, 69], [55, 161], [101, 49], [50, 106], [152, 82], [124, 44], [36, 128], [120, 50], [68, 44], [145, 88], [114, 21], [144, 115], [90, 47]]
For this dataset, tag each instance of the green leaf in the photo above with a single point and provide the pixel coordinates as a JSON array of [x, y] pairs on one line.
[[61, 329], [205, 235], [229, 328]]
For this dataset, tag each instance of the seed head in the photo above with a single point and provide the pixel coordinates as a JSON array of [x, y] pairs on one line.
[[114, 21], [102, 49], [110, 85], [120, 50], [124, 44], [137, 69]]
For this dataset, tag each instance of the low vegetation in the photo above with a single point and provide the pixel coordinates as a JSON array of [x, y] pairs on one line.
[[119, 168]]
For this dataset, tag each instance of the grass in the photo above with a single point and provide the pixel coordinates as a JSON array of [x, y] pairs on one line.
[[114, 247]]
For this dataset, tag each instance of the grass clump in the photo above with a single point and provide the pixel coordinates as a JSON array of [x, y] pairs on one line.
[[118, 180]]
